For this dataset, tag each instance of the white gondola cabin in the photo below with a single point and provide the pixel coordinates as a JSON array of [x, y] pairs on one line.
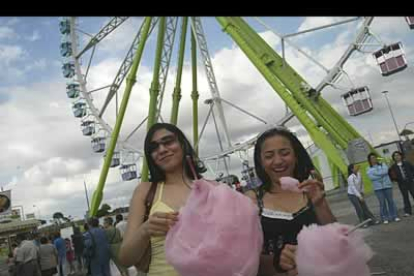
[[248, 175], [391, 59], [116, 159], [98, 144], [128, 172], [68, 69], [72, 90], [410, 21], [64, 26], [66, 48], [88, 127], [79, 109], [358, 101], [228, 179]]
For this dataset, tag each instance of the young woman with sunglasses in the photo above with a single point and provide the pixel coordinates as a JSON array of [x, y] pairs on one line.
[[166, 149]]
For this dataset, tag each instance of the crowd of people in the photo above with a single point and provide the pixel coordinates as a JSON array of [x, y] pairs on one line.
[[382, 178], [87, 253]]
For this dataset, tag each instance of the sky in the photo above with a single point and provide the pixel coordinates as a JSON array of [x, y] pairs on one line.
[[46, 160]]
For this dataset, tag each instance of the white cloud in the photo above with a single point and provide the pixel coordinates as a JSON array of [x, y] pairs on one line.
[[10, 54], [7, 33], [13, 21], [34, 36], [314, 22], [45, 158]]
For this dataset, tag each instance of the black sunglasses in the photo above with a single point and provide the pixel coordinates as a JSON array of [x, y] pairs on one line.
[[165, 141]]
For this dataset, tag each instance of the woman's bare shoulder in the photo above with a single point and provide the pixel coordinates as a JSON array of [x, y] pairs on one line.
[[251, 194], [142, 189]]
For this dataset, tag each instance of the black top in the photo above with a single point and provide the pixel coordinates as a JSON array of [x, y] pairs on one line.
[[77, 241], [395, 172], [280, 228]]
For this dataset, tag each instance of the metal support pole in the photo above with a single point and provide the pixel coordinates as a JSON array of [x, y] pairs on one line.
[[392, 114], [131, 79], [155, 89]]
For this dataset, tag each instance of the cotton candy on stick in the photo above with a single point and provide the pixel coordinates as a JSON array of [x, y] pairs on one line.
[[290, 184], [333, 249], [218, 233]]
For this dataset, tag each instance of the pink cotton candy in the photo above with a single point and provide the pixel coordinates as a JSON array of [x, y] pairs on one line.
[[329, 250], [290, 184], [218, 234]]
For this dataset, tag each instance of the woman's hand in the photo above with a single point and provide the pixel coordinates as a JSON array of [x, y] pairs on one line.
[[287, 259], [159, 223], [314, 188]]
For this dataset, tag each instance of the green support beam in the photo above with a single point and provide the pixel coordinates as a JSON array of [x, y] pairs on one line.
[[130, 81], [271, 68], [155, 89], [295, 84], [194, 93], [177, 88]]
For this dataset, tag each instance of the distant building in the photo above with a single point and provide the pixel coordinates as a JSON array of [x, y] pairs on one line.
[[386, 149]]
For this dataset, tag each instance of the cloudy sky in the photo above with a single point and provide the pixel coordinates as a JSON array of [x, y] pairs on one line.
[[45, 158]]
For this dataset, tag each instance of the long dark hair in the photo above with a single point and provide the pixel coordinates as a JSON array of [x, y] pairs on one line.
[[156, 173], [303, 161], [350, 169]]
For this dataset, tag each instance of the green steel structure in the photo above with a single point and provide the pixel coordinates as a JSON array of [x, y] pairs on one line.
[[329, 131]]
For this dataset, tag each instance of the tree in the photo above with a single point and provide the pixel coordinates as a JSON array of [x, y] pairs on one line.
[[406, 132], [59, 217], [103, 211]]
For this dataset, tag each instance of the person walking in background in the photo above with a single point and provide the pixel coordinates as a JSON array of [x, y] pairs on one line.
[[378, 173], [120, 224], [77, 241], [402, 172], [113, 235], [48, 257], [26, 257], [70, 256], [356, 195], [61, 248], [97, 247]]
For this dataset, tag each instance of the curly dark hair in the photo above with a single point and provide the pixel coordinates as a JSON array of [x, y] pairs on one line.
[[156, 173], [304, 163]]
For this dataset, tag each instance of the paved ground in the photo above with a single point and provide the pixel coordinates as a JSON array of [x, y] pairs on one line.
[[393, 244]]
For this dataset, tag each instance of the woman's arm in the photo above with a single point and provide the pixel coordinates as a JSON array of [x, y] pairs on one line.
[[373, 175], [266, 267], [315, 192], [323, 212], [136, 236]]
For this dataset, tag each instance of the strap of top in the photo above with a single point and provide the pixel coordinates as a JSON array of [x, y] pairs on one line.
[[161, 185], [259, 197]]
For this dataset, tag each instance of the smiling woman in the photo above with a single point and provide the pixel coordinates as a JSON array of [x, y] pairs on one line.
[[166, 149], [278, 153]]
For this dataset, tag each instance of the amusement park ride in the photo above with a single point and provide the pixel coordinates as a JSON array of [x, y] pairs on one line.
[[340, 142]]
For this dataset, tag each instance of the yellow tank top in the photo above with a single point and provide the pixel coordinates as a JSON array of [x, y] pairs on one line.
[[159, 265]]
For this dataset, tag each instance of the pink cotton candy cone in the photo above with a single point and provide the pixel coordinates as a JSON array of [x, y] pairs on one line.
[[290, 184], [329, 250], [218, 234]]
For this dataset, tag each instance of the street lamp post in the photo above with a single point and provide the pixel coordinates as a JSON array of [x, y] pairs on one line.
[[392, 114], [38, 211]]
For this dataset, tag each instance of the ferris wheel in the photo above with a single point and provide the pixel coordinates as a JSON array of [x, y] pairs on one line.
[[98, 59]]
